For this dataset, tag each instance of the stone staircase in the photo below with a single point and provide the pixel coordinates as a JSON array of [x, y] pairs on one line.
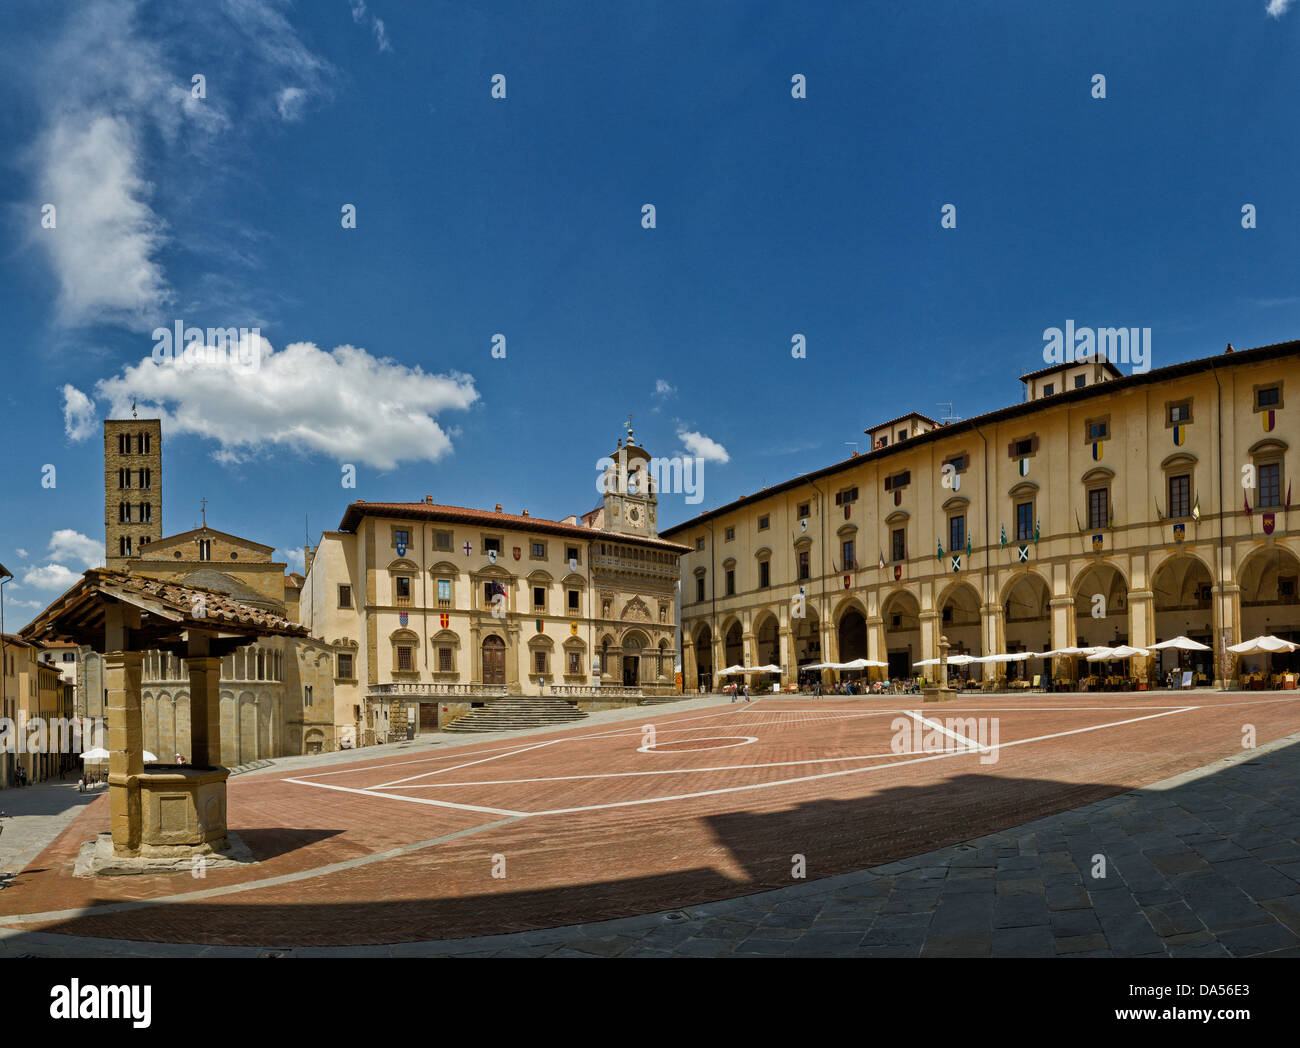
[[659, 700], [515, 712]]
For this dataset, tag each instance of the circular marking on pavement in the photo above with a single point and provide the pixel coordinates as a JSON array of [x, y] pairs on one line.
[[726, 742]]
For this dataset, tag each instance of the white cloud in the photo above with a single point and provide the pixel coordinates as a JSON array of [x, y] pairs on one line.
[[703, 447], [67, 544], [293, 559], [1277, 8], [290, 103], [104, 246], [376, 24], [346, 404], [22, 553], [663, 388], [50, 577], [117, 122], [78, 414]]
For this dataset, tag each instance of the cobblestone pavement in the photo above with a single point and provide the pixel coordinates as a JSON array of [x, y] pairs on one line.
[[1205, 864]]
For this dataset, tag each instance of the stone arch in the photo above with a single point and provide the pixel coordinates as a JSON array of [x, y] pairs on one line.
[[1269, 577], [850, 602], [900, 613], [960, 620], [1027, 611], [767, 638], [733, 644], [1109, 581]]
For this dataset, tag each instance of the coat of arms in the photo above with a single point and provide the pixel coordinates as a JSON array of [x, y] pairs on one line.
[[1097, 541], [403, 617], [1267, 520], [573, 563], [445, 620], [492, 555], [1180, 532], [573, 628], [517, 551], [401, 545], [898, 572]]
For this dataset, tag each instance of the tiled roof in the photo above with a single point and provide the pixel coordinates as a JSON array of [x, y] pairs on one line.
[[78, 614], [466, 515]]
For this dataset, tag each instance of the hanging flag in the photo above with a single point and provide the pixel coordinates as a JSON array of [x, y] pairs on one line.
[[1004, 537], [1037, 528], [1267, 520], [882, 560], [968, 544], [1180, 434], [1246, 499], [1180, 532], [1024, 467], [1196, 509], [939, 556], [1024, 554]]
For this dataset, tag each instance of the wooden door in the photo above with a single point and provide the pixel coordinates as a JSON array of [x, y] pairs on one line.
[[494, 661]]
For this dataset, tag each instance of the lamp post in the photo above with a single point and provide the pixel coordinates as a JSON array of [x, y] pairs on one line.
[[5, 577]]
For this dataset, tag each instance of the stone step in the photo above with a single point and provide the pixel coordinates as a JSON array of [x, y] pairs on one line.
[[514, 714]]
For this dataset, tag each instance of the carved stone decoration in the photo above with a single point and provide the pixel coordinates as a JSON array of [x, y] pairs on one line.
[[635, 610]]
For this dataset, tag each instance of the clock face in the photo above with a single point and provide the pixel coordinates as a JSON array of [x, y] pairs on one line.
[[634, 515]]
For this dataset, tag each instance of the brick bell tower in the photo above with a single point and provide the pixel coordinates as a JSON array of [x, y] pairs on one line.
[[132, 488]]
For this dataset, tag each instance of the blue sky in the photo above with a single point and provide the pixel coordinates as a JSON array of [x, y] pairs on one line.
[[522, 216]]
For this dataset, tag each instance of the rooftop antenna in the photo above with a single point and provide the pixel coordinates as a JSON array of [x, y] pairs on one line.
[[203, 509], [853, 444], [948, 415]]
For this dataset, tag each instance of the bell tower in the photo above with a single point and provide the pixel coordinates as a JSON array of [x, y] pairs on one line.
[[132, 488], [631, 501]]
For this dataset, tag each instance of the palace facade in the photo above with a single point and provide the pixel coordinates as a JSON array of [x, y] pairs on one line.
[[438, 607], [1103, 509]]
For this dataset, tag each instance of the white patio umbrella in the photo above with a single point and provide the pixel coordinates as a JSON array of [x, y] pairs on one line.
[[763, 669], [1111, 654], [1262, 645], [731, 671], [149, 758], [1180, 643], [861, 664], [97, 754]]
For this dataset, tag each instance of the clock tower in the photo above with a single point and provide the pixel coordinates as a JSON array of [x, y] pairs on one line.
[[631, 502]]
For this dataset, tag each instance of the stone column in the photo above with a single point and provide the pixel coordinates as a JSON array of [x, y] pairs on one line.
[[205, 710], [690, 671], [788, 661], [929, 623], [122, 671], [876, 646], [1063, 633]]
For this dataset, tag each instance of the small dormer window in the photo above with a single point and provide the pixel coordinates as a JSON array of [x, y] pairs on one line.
[[1080, 381], [1049, 389]]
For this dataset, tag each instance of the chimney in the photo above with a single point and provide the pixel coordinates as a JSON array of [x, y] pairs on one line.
[[498, 509], [525, 513], [428, 500], [1229, 349]]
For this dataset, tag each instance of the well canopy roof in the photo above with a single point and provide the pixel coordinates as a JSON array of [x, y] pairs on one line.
[[169, 612]]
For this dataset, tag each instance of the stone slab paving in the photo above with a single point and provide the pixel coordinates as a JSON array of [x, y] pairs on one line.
[[1205, 864], [34, 816]]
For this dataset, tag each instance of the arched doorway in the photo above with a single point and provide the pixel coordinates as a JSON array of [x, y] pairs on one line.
[[633, 643], [807, 639], [704, 658], [734, 646], [1101, 607], [901, 615], [1270, 581], [1182, 601], [494, 661], [852, 631], [959, 620], [1027, 622]]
